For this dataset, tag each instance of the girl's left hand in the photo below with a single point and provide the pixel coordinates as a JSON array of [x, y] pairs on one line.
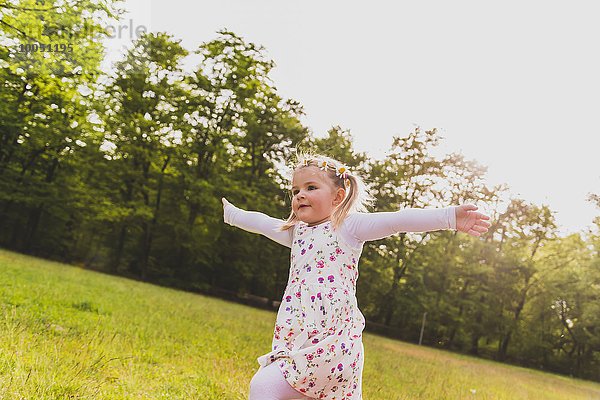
[[470, 221]]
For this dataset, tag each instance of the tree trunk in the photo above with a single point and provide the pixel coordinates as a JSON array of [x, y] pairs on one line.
[[148, 229], [503, 345], [474, 345], [32, 225], [119, 251], [123, 233], [36, 213], [399, 271]]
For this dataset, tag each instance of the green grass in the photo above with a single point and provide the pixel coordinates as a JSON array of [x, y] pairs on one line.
[[68, 333]]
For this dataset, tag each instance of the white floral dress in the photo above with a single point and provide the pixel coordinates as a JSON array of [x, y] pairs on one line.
[[317, 342]]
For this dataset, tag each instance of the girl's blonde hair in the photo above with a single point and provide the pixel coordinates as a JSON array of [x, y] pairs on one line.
[[357, 197]]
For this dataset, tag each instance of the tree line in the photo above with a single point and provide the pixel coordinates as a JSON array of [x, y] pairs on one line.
[[123, 170]]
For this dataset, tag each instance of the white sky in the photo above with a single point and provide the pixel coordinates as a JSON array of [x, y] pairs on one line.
[[514, 85]]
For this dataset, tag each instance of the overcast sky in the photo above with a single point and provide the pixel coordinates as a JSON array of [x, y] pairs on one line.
[[514, 85]]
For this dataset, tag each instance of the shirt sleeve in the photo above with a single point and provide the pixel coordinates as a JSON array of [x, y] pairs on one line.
[[256, 222], [373, 226]]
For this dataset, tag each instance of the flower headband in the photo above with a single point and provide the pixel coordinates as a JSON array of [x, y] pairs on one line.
[[340, 172]]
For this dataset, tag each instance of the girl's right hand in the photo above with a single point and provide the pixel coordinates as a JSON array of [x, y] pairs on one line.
[[225, 202]]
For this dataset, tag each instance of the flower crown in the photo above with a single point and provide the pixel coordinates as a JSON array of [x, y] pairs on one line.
[[340, 172]]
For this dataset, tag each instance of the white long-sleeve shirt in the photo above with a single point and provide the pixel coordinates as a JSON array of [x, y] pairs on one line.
[[356, 229]]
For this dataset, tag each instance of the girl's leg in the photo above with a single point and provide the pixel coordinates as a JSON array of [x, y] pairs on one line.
[[269, 384]]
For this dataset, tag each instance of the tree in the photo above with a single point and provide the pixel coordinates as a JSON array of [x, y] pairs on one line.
[[404, 179], [239, 132], [141, 121], [42, 117], [525, 228]]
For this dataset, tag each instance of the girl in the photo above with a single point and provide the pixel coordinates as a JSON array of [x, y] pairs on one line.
[[317, 347]]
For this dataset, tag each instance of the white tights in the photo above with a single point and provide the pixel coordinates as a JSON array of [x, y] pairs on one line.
[[269, 384]]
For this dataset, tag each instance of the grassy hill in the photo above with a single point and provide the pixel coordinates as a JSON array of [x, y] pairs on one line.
[[68, 333]]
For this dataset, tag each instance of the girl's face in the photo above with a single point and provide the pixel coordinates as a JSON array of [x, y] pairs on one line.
[[314, 197]]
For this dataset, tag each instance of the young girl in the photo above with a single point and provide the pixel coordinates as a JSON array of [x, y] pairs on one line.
[[317, 347]]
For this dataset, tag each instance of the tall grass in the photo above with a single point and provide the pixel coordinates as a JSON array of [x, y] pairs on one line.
[[68, 333]]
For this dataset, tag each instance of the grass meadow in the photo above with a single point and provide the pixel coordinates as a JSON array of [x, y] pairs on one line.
[[69, 333]]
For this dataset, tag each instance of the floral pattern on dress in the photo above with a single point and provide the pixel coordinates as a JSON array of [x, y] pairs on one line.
[[317, 340]]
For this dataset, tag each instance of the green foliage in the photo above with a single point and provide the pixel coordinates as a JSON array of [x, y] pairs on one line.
[[44, 128]]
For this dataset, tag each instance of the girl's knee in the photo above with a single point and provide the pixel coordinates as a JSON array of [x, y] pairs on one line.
[[259, 387], [269, 384]]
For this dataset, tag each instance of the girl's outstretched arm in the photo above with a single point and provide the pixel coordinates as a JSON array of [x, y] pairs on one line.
[[256, 222], [374, 226]]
